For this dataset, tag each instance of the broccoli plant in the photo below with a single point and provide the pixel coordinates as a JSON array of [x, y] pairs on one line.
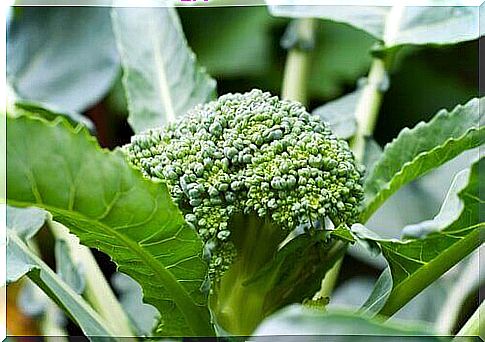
[[246, 170], [242, 213]]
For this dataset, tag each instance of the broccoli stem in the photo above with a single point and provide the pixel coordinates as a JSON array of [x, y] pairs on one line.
[[298, 63], [328, 283], [367, 112], [238, 303], [370, 101], [253, 287], [98, 292]]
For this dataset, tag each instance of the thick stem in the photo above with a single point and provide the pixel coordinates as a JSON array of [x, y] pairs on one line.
[[475, 325], [298, 62], [328, 283], [427, 274], [368, 106], [97, 292], [367, 111], [370, 101], [238, 305]]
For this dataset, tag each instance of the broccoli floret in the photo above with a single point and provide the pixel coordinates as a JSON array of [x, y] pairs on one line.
[[246, 170]]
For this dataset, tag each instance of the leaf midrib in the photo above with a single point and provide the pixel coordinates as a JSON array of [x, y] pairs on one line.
[[163, 86], [416, 277], [181, 297]]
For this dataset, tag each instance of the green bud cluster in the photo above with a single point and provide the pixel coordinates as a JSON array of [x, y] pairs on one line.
[[254, 154]]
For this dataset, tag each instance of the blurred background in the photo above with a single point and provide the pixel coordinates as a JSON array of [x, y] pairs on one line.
[[65, 59]]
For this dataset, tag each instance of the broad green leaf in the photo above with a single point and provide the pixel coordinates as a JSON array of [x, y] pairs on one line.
[[49, 112], [421, 197], [62, 56], [418, 25], [161, 77], [110, 206], [340, 114], [297, 320], [416, 263], [420, 149], [22, 225], [144, 316]]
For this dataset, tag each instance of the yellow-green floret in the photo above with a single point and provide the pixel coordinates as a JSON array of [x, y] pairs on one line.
[[250, 154]]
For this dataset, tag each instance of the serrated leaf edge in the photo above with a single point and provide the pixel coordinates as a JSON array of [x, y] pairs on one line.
[[191, 307], [372, 205]]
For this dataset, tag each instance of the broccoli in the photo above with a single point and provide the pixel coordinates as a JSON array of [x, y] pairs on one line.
[[246, 170]]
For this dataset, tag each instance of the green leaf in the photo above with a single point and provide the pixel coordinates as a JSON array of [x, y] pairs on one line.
[[421, 197], [110, 206], [62, 56], [161, 77], [369, 19], [340, 114], [418, 25], [416, 263], [420, 149], [22, 225], [49, 112], [343, 233], [297, 320]]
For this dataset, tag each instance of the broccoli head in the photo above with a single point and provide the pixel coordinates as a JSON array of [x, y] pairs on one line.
[[251, 167]]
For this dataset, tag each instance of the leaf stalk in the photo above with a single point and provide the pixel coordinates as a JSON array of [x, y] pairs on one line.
[[422, 278], [370, 101], [298, 62], [97, 292]]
